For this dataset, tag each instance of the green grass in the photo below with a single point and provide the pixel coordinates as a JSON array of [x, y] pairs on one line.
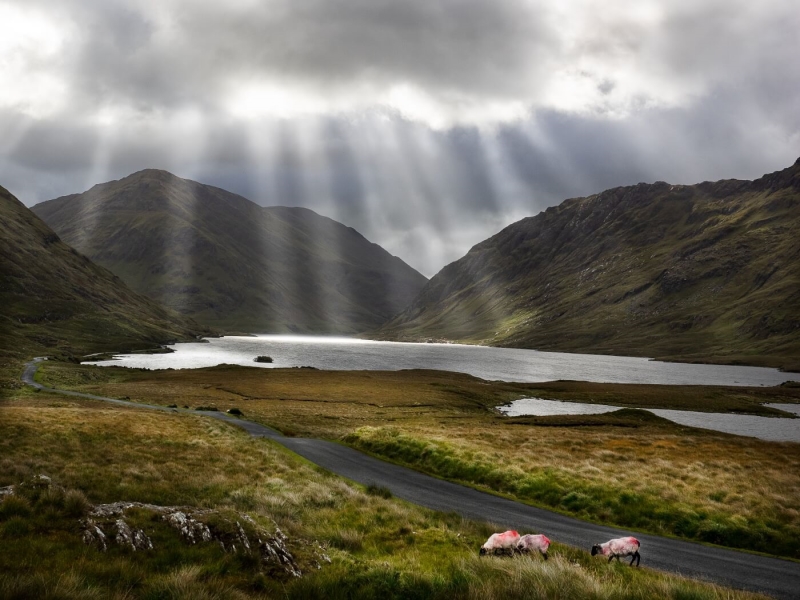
[[380, 547], [630, 468], [600, 501]]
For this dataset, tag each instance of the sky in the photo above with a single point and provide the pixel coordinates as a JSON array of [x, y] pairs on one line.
[[426, 125]]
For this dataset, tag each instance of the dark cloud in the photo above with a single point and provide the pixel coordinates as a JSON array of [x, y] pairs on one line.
[[425, 125]]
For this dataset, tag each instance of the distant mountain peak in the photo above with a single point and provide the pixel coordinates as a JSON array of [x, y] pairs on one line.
[[151, 173], [227, 261]]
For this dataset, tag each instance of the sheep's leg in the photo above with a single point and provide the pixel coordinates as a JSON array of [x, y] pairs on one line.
[[638, 558], [633, 558], [544, 554], [610, 558]]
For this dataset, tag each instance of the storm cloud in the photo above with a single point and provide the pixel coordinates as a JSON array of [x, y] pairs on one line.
[[427, 126]]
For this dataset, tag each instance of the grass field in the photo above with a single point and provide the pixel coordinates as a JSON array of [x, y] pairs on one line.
[[379, 547], [629, 468]]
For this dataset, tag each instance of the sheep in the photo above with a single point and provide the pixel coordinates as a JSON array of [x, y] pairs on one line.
[[530, 542], [501, 541], [626, 546]]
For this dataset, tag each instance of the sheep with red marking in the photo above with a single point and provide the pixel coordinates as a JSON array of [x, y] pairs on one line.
[[501, 543], [533, 543], [626, 546]]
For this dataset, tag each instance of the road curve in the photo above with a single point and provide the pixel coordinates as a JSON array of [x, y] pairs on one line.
[[772, 576]]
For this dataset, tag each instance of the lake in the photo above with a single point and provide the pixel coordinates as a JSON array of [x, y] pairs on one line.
[[772, 429], [489, 363]]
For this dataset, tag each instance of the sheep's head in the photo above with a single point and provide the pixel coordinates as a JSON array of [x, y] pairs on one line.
[[482, 551], [596, 549]]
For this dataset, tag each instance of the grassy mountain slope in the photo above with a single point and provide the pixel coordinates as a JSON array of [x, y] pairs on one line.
[[700, 272], [55, 300], [228, 262]]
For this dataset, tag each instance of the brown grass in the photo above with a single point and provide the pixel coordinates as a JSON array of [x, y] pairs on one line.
[[704, 485], [381, 547]]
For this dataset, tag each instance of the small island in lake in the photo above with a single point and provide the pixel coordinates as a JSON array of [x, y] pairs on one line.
[[263, 359]]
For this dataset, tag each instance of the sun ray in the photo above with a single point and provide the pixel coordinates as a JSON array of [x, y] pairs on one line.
[[181, 211]]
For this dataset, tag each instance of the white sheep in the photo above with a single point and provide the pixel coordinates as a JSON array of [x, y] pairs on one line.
[[502, 542], [626, 546], [534, 543]]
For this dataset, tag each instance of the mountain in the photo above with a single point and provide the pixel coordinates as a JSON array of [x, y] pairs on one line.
[[228, 262], [55, 300], [689, 272]]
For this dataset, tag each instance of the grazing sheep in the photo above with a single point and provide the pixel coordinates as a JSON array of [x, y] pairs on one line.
[[627, 546], [501, 541], [531, 543]]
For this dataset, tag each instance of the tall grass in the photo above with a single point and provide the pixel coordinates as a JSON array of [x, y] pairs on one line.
[[471, 578], [642, 473], [596, 499], [379, 547]]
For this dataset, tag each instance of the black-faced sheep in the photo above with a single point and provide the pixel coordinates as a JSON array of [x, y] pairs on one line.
[[534, 543], [626, 546], [501, 543]]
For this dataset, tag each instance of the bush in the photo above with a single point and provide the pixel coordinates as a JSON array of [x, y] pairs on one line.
[[234, 411]]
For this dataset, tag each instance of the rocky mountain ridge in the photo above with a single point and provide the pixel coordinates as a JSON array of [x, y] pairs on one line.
[[686, 272], [55, 300], [230, 263]]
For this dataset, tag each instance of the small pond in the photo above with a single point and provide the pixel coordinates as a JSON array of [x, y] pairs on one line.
[[773, 429]]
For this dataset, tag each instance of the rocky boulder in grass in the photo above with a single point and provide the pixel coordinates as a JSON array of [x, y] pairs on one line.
[[233, 532], [116, 524]]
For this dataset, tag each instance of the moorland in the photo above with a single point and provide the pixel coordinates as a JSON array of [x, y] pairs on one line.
[[378, 546], [729, 295], [628, 468]]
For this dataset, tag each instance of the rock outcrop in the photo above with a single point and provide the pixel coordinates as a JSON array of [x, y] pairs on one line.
[[115, 524]]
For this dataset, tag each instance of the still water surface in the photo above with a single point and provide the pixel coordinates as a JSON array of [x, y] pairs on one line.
[[766, 428], [482, 361]]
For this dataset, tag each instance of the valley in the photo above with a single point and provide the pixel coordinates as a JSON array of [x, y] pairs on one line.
[[706, 486], [399, 300], [359, 537]]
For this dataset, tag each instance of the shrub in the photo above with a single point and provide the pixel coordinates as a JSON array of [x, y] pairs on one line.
[[234, 411]]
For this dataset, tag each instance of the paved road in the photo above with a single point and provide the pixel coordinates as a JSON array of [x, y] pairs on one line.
[[773, 576]]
